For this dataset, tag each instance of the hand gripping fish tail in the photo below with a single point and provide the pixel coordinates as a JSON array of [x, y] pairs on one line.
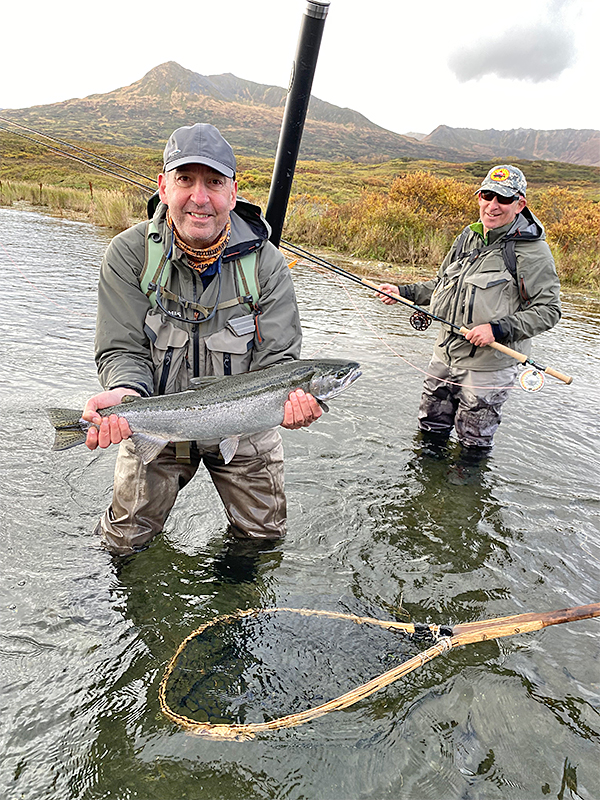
[[70, 428], [216, 408]]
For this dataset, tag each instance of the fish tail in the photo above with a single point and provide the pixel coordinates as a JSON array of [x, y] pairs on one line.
[[69, 430]]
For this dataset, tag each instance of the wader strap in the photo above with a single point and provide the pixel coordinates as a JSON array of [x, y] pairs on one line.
[[246, 268], [155, 258]]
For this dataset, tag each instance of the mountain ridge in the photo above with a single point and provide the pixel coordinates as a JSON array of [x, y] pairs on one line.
[[249, 115]]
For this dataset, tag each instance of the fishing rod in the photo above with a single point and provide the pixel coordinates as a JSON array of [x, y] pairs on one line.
[[421, 318], [87, 162], [73, 146], [445, 637]]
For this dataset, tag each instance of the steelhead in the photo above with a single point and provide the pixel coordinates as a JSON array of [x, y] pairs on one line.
[[218, 409]]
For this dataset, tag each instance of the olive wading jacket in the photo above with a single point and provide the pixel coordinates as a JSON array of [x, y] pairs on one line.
[[470, 291], [140, 347]]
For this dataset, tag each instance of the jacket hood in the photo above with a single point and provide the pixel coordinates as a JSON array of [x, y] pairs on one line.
[[526, 226], [249, 229]]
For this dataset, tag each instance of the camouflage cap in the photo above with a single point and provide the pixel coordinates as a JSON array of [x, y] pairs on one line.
[[505, 180]]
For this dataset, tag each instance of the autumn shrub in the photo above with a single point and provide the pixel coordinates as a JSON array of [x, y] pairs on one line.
[[573, 231], [412, 224], [409, 220]]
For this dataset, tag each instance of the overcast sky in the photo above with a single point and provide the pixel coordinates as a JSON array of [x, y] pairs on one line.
[[407, 66]]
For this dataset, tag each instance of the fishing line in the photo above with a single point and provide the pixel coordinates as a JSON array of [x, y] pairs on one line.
[[75, 147], [419, 314], [80, 160], [389, 347]]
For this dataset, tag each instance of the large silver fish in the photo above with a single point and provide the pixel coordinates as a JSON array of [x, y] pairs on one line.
[[220, 409]]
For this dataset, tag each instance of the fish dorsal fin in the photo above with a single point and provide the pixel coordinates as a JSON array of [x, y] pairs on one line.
[[207, 380], [129, 398], [147, 447], [228, 448]]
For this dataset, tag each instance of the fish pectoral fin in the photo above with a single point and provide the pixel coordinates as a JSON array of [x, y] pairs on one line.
[[147, 447], [323, 405], [228, 448]]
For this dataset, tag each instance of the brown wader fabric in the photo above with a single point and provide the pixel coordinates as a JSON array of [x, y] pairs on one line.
[[471, 403], [251, 487]]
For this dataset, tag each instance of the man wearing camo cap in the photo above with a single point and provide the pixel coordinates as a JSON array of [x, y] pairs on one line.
[[499, 281]]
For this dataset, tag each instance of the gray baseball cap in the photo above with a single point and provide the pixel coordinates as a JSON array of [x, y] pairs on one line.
[[199, 144], [505, 180]]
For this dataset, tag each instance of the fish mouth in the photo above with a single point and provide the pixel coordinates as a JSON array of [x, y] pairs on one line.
[[337, 384], [353, 375]]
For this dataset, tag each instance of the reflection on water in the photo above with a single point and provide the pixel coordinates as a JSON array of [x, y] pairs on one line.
[[381, 524]]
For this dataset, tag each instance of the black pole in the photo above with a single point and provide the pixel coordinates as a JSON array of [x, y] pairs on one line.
[[296, 106]]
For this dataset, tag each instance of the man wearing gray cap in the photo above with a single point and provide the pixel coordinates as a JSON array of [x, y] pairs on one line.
[[499, 281], [196, 291]]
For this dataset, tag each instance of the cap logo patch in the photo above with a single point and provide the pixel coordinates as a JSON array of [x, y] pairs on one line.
[[500, 174]]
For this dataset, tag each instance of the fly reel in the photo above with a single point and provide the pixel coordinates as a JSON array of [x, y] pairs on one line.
[[420, 320], [531, 380]]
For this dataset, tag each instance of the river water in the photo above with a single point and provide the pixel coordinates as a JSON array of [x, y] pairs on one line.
[[377, 527]]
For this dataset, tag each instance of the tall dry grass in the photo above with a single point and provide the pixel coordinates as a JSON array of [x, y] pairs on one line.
[[111, 209], [410, 224]]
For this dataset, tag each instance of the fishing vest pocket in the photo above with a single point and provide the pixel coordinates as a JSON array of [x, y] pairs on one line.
[[230, 351], [444, 295], [488, 297], [169, 346]]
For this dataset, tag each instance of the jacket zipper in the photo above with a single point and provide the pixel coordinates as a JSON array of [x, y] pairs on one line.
[[166, 368]]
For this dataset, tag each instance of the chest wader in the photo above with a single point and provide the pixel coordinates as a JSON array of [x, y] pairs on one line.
[[173, 344]]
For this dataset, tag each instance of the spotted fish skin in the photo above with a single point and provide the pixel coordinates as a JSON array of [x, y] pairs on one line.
[[217, 409]]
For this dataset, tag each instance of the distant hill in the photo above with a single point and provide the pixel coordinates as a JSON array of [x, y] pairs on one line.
[[568, 145], [249, 116]]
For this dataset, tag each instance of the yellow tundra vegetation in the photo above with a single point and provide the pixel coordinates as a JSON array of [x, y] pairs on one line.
[[407, 221], [414, 223]]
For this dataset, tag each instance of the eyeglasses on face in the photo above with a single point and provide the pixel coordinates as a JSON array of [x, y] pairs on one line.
[[504, 201]]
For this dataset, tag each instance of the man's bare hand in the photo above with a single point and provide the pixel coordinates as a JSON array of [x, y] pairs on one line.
[[300, 410], [480, 335], [111, 430], [390, 289]]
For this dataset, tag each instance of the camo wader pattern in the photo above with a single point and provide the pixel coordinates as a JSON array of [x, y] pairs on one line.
[[471, 402]]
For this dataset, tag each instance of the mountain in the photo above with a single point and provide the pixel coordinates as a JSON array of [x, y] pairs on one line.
[[249, 116], [569, 145]]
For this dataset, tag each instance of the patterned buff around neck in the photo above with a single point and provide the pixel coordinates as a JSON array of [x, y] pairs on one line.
[[201, 259]]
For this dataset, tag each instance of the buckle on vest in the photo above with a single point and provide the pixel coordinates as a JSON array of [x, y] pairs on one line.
[[182, 452]]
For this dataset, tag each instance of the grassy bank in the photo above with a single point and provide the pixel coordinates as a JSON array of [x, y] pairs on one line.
[[401, 215]]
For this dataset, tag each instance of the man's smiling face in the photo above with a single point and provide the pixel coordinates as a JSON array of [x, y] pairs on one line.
[[199, 199], [494, 215]]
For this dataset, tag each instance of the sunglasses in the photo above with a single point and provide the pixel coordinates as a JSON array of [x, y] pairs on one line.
[[504, 201]]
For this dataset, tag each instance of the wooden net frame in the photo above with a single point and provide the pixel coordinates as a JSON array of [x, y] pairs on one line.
[[445, 639]]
